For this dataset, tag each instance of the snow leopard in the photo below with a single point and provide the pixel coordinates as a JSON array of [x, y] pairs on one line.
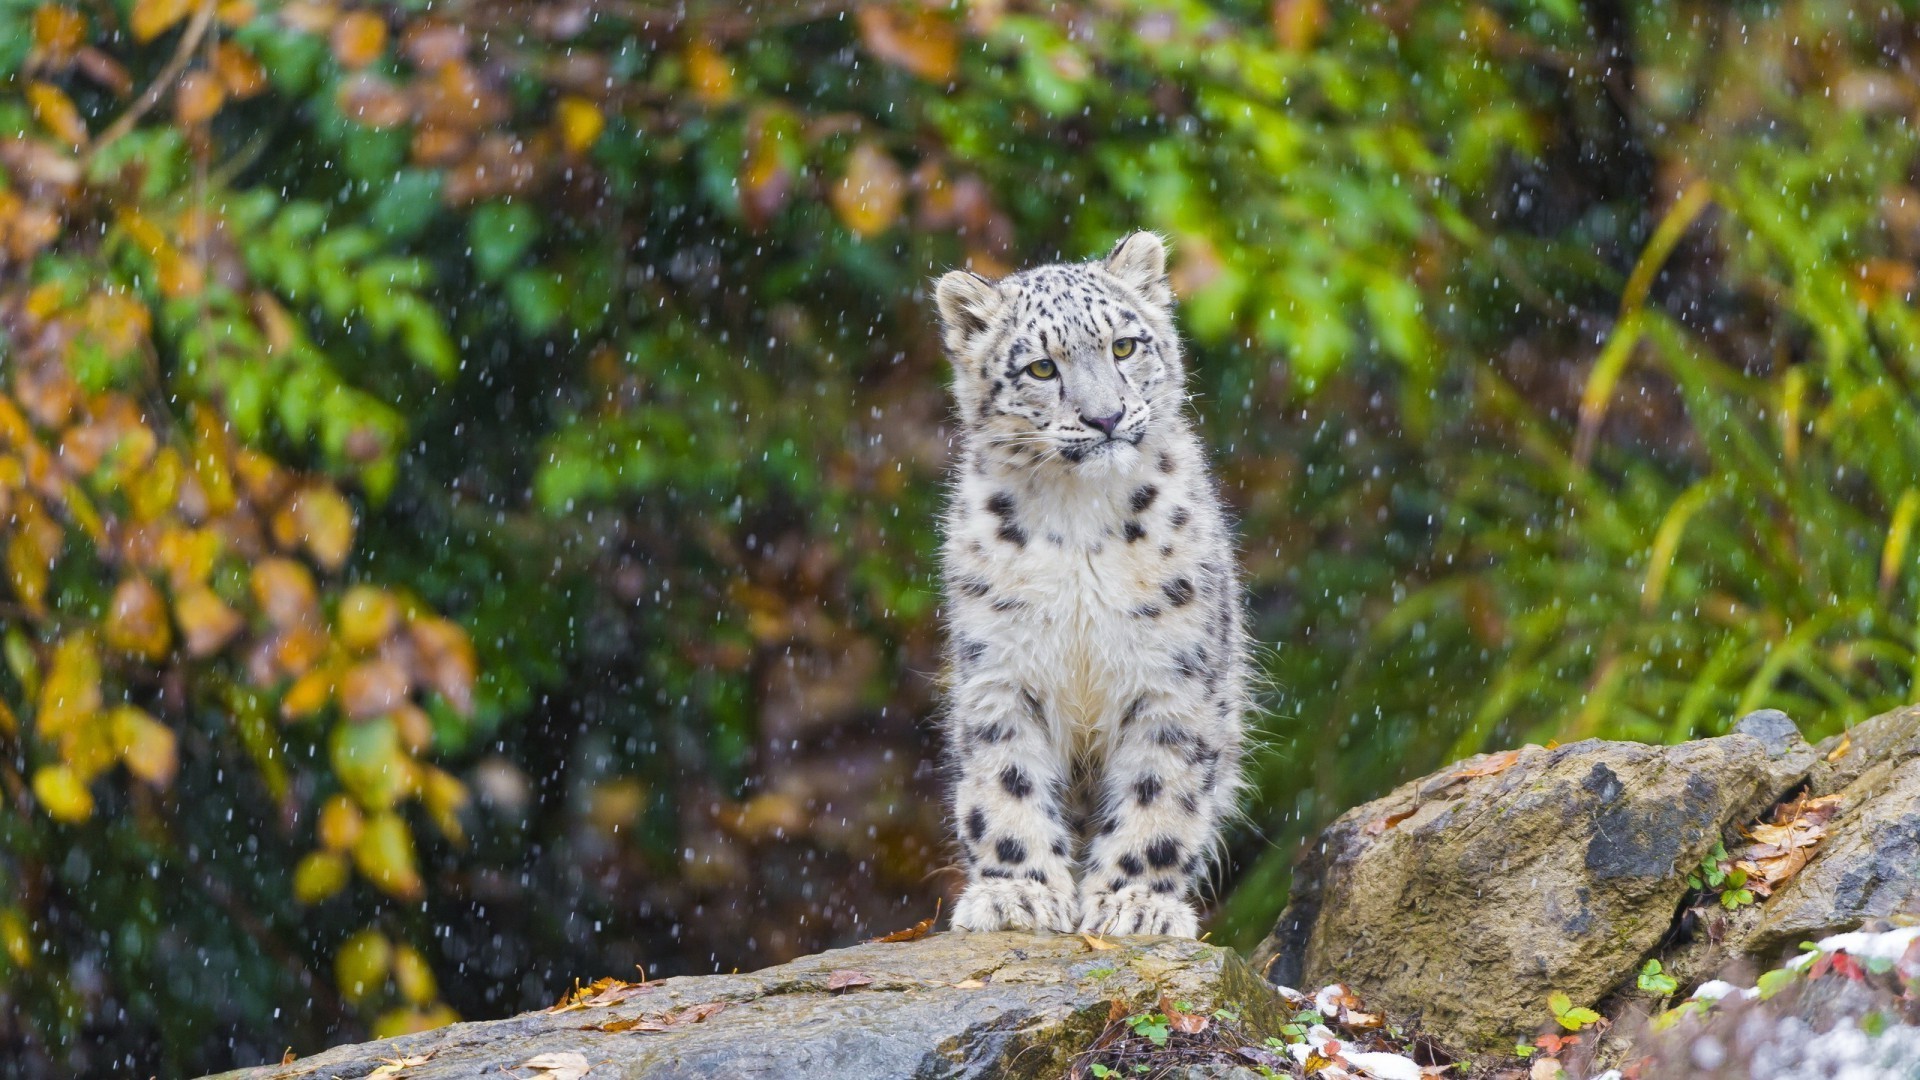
[[1097, 662]]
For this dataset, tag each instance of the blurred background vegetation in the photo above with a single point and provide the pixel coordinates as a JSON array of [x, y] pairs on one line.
[[467, 468]]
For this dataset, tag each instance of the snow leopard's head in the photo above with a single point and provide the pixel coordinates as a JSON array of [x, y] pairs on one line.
[[1073, 362]]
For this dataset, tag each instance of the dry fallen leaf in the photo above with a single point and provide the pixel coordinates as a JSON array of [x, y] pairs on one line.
[[395, 1066], [1493, 765], [912, 933], [602, 993], [1096, 942], [565, 1065], [1840, 751], [840, 980], [1184, 1022], [656, 1022], [969, 984], [1380, 825]]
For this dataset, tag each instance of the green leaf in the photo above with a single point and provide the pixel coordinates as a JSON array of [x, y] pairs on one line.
[[500, 235], [1559, 1002]]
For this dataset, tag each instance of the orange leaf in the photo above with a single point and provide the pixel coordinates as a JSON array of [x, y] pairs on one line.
[[1097, 943], [358, 39], [841, 980], [1493, 765], [151, 18], [340, 823], [284, 590], [239, 72], [1297, 23], [374, 688], [921, 41], [445, 660], [198, 97], [1185, 1023], [868, 196], [912, 933], [308, 694], [1380, 825], [137, 620], [55, 112]]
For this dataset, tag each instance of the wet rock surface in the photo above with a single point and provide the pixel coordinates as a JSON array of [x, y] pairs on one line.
[[1461, 901], [950, 1005]]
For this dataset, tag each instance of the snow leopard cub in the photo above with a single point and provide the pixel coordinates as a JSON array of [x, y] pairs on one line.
[[1097, 661]]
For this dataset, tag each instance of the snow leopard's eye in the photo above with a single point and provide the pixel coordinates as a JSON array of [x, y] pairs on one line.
[[1123, 347], [1042, 369]]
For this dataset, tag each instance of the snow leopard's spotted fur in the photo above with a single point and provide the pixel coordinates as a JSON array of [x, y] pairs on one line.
[[1097, 660]]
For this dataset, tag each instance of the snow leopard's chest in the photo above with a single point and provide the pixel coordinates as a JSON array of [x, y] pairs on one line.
[[1084, 603]]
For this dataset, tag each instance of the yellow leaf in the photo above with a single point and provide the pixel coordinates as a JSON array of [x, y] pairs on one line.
[[384, 856], [868, 196], [151, 18], [55, 112], [206, 621], [359, 39], [709, 73], [62, 792], [148, 746], [444, 797], [285, 592], [919, 41], [580, 122], [152, 493], [308, 694], [15, 938], [340, 823], [360, 967], [198, 97], [188, 555], [239, 72], [370, 763], [413, 976], [319, 876], [324, 522], [137, 620], [210, 463], [71, 692], [397, 1022], [367, 617], [58, 30]]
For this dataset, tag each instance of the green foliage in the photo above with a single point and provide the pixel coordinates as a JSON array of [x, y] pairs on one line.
[[1655, 981], [1568, 1015]]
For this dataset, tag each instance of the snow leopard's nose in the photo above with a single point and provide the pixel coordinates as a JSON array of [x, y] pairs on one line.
[[1106, 424]]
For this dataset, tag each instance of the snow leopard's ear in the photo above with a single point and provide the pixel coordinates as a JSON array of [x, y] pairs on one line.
[[1140, 260], [968, 305]]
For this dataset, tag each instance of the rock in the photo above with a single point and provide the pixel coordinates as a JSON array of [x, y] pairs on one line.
[[1869, 866], [951, 1005], [1461, 901], [1818, 1016]]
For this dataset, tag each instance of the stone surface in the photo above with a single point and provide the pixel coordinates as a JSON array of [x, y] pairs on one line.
[[951, 1005], [1869, 866], [1462, 900]]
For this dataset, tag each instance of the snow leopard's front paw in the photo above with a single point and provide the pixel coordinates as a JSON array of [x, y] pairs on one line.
[[1014, 905], [1136, 910]]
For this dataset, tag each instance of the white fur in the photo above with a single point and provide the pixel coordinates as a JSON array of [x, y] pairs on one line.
[[1086, 580]]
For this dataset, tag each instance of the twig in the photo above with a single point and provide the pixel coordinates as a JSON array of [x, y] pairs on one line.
[[157, 89]]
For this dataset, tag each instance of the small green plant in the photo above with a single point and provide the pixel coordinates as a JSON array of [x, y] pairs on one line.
[[1226, 1014], [1295, 1030], [1101, 1071], [1152, 1027], [1100, 972], [1523, 1050], [1655, 981], [1716, 871], [1570, 1017]]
